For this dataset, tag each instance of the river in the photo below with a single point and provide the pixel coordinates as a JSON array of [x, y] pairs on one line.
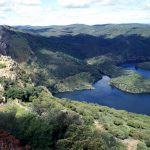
[[106, 95]]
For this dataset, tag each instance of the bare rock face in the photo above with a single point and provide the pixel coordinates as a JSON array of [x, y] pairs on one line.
[[1, 89], [4, 40], [10, 70]]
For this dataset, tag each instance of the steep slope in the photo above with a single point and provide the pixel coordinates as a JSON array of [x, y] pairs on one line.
[[15, 82], [35, 117], [131, 41], [45, 65], [48, 56], [55, 124], [13, 44], [4, 40], [131, 44]]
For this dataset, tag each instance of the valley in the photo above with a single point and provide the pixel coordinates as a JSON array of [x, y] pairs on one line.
[[104, 93], [46, 71]]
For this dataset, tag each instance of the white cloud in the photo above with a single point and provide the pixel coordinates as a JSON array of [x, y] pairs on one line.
[[88, 3], [147, 4], [19, 9], [33, 12], [79, 3], [11, 3], [27, 2]]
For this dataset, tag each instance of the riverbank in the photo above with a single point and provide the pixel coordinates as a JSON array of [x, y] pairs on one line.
[[107, 95], [125, 77], [144, 65], [133, 80], [131, 83]]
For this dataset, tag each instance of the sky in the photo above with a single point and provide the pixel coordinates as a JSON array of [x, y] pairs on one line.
[[64, 12]]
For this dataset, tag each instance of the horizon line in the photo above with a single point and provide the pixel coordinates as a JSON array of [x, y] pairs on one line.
[[77, 24]]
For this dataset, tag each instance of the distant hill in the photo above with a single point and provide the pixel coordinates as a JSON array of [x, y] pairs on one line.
[[82, 41], [57, 55], [47, 60], [107, 30], [130, 41]]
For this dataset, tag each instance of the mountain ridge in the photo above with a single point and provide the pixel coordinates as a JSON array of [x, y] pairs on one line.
[[43, 66], [50, 55], [95, 30]]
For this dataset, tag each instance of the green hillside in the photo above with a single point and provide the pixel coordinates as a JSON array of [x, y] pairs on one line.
[[42, 61], [108, 30], [51, 123], [128, 40], [46, 57]]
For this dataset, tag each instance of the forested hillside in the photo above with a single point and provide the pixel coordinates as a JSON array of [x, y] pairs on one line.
[[37, 62], [46, 54]]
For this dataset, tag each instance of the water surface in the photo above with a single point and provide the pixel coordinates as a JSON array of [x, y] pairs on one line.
[[142, 72], [106, 95]]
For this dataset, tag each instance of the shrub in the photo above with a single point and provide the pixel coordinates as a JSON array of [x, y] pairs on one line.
[[2, 66], [136, 124], [121, 132], [135, 134], [141, 146], [147, 142], [23, 94], [83, 138], [118, 122]]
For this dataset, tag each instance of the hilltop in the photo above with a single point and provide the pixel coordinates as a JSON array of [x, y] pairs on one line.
[[107, 30]]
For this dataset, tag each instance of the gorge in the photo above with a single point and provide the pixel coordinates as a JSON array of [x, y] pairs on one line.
[[107, 95]]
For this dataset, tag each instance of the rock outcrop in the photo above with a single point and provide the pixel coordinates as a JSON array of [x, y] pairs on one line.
[[4, 40], [11, 70]]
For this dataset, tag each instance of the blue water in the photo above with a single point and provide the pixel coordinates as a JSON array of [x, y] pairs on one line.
[[144, 73], [106, 95]]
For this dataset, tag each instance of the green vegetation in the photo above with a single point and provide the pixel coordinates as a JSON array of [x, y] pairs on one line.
[[61, 72], [14, 91], [130, 41], [52, 123], [2, 65], [23, 94], [79, 81], [132, 83], [35, 117], [108, 30], [72, 62], [19, 48], [62, 52], [125, 80]]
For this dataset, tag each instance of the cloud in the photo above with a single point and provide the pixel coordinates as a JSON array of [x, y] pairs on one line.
[[76, 3], [19, 11], [27, 2], [147, 4], [89, 3], [2, 2], [11, 3], [44, 12], [20, 7], [14, 6]]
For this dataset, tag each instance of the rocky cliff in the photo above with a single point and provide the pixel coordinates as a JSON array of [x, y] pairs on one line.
[[10, 69], [4, 40]]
